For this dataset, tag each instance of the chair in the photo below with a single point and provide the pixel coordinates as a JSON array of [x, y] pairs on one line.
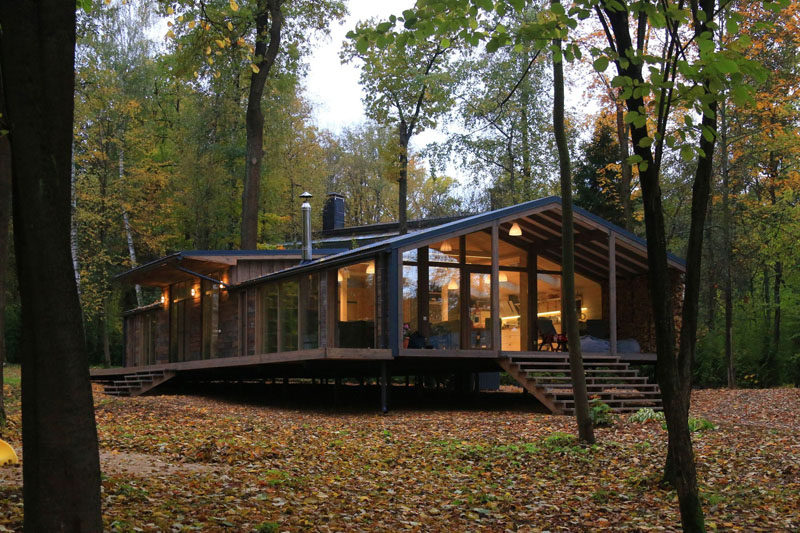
[[548, 335]]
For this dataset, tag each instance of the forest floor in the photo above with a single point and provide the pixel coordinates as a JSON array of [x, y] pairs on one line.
[[246, 461]]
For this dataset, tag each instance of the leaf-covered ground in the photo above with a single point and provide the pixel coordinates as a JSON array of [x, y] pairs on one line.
[[243, 463]]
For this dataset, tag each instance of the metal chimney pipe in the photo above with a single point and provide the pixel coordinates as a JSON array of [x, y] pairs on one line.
[[306, 208]]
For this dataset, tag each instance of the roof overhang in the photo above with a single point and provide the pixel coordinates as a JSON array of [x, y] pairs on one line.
[[541, 220], [191, 264]]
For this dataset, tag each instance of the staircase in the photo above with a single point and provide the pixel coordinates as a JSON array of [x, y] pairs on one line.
[[135, 383], [546, 376]]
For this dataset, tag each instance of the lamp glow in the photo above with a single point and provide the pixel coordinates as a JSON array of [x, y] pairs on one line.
[[453, 285], [341, 278], [194, 292], [515, 230], [371, 268], [446, 247], [503, 277]]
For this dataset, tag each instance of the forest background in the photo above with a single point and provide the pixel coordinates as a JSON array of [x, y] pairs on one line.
[[160, 144]]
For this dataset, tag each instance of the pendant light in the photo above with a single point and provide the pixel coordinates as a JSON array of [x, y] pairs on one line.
[[515, 230]]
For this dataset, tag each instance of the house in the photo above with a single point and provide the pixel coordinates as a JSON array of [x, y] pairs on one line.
[[462, 296]]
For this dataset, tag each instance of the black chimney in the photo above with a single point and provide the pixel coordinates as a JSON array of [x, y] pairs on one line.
[[333, 212]]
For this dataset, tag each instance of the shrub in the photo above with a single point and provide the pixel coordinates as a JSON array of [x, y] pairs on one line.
[[646, 414], [600, 413], [700, 424]]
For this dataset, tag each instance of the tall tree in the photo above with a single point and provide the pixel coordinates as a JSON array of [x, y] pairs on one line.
[[61, 470], [640, 73], [406, 86], [577, 373], [5, 218], [249, 38]]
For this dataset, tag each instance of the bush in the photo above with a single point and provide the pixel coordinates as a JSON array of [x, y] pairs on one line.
[[700, 424], [644, 415], [600, 413]]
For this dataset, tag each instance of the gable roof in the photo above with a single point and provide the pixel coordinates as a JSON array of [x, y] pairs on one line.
[[542, 220]]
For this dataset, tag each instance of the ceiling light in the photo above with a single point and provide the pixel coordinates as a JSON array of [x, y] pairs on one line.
[[453, 285], [503, 277], [446, 247], [371, 268], [515, 230]]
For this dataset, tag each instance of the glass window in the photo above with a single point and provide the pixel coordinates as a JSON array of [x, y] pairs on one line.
[[514, 310], [410, 301], [511, 256], [287, 294], [309, 309], [268, 296], [180, 304], [447, 251], [480, 310], [356, 306], [210, 318], [444, 307], [479, 248]]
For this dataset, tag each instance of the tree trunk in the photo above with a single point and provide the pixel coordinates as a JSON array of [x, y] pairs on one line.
[[61, 469], [73, 225], [128, 233], [727, 248], [674, 373], [268, 34], [585, 431], [402, 182], [626, 172], [5, 217]]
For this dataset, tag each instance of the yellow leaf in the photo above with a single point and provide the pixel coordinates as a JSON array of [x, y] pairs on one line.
[[220, 43], [234, 5], [208, 50], [180, 19], [196, 75], [171, 34], [191, 24], [216, 74], [230, 26], [254, 67], [170, 11], [240, 41], [210, 61], [169, 24]]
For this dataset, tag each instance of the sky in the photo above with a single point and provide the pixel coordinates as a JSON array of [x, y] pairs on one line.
[[332, 88]]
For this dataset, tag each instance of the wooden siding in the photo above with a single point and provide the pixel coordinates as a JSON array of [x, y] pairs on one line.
[[247, 270]]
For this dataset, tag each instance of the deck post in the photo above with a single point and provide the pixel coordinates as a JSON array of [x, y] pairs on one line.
[[612, 292], [384, 388], [495, 283]]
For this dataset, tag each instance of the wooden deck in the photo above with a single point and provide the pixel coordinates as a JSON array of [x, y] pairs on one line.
[[543, 374]]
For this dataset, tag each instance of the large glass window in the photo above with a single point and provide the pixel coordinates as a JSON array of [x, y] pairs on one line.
[[179, 327], [410, 302], [268, 325], [309, 311], [210, 318], [480, 310], [287, 294], [444, 307], [356, 306], [514, 310], [478, 249]]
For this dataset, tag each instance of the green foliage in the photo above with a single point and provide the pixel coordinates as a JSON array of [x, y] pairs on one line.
[[645, 415], [697, 425], [268, 527], [600, 413], [559, 440]]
